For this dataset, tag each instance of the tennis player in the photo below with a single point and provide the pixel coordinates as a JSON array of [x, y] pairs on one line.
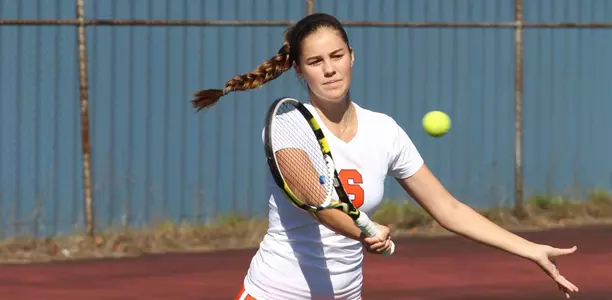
[[319, 256]]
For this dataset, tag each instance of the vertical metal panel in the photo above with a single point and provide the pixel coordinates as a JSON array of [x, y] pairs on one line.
[[39, 154], [568, 11], [568, 99], [154, 158]]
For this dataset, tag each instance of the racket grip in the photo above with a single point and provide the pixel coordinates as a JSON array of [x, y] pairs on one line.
[[369, 228]]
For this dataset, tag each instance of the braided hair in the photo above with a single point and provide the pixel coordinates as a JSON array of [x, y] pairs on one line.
[[275, 66]]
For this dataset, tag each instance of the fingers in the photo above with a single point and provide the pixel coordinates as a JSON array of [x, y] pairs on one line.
[[386, 245], [566, 284], [546, 260], [376, 247], [373, 240], [372, 244], [567, 288], [377, 244], [550, 266], [376, 239], [564, 290], [563, 251]]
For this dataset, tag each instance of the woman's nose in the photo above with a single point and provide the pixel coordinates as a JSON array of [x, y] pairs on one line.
[[328, 70]]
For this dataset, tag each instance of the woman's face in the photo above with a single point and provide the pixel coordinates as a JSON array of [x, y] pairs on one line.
[[326, 64]]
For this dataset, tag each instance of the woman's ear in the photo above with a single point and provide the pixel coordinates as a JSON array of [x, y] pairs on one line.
[[296, 67], [352, 56]]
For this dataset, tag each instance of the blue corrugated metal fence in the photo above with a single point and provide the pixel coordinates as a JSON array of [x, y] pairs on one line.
[[154, 158]]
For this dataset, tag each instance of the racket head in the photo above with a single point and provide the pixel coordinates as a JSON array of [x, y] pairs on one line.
[[298, 155], [289, 125]]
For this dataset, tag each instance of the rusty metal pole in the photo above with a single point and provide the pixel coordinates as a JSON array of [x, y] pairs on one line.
[[310, 6], [89, 214], [518, 111]]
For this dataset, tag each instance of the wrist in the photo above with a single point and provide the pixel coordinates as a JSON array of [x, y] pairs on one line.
[[531, 251], [362, 237]]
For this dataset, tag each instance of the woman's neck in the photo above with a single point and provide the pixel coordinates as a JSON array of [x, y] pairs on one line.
[[332, 112], [339, 117]]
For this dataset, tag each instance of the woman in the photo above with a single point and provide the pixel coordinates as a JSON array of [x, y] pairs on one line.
[[319, 256]]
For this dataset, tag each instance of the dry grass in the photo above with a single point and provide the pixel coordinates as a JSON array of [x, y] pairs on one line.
[[232, 232], [542, 212]]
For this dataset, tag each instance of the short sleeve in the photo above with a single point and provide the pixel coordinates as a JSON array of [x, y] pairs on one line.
[[405, 159]]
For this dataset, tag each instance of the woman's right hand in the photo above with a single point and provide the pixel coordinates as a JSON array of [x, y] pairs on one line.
[[377, 244]]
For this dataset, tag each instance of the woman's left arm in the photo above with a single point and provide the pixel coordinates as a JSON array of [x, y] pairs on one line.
[[459, 218]]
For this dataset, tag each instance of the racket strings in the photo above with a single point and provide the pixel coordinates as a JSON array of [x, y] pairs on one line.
[[301, 161]]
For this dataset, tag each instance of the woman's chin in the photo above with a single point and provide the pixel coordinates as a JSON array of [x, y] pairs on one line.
[[334, 96]]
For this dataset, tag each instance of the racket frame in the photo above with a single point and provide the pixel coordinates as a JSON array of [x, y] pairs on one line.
[[361, 219]]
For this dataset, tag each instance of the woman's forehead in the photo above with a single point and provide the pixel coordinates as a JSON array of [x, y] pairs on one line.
[[322, 41]]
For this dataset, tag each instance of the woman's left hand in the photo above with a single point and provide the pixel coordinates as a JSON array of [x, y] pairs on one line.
[[544, 256]]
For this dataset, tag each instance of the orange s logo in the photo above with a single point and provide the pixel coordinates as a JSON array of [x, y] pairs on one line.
[[352, 188]]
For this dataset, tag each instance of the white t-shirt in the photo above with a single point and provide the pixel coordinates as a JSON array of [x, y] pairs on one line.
[[299, 258]]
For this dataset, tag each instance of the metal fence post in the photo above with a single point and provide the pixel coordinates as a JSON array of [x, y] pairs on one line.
[[86, 154], [310, 6], [518, 110]]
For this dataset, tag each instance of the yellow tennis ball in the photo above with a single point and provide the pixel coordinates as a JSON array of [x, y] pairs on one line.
[[436, 123]]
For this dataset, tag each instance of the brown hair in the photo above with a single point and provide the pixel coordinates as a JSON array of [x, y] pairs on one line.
[[275, 66]]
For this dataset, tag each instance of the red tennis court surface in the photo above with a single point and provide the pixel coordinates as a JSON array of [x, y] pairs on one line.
[[423, 268]]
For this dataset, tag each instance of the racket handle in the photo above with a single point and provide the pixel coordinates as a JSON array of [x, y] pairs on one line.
[[369, 228]]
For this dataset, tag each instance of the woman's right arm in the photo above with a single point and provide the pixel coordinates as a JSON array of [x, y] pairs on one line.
[[339, 222], [299, 174]]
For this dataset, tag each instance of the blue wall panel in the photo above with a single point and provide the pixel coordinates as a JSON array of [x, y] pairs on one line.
[[154, 158], [39, 135], [567, 99]]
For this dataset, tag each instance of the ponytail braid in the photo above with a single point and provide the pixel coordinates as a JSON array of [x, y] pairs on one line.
[[266, 71]]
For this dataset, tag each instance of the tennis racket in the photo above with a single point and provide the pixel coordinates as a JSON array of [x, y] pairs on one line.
[[302, 165]]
